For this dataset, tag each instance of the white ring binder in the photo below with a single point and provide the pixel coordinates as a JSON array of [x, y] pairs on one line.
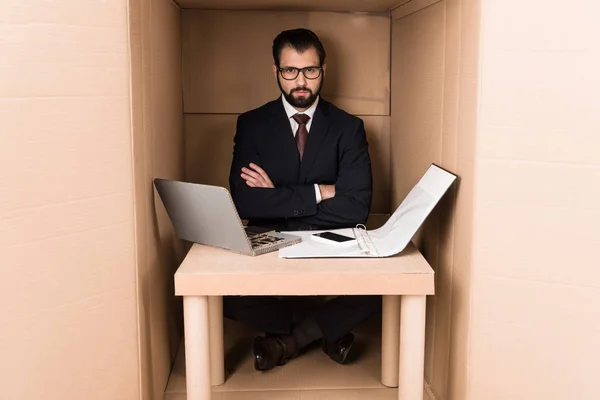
[[393, 237], [364, 241]]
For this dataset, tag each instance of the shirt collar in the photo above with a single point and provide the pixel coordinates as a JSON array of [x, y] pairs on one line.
[[290, 110]]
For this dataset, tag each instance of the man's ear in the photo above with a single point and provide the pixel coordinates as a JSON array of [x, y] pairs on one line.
[[324, 66], [275, 71]]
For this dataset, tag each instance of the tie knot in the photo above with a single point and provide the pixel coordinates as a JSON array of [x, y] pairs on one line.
[[301, 119]]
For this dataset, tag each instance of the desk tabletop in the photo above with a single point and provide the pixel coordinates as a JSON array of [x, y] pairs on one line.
[[210, 271]]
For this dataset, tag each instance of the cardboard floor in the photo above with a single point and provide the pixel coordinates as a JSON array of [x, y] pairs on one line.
[[309, 377]]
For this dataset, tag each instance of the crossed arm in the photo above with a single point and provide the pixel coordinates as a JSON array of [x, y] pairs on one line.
[[255, 176]]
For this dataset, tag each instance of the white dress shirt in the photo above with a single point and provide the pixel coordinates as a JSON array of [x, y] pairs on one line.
[[291, 111]]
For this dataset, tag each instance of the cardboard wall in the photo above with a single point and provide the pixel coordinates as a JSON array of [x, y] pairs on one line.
[[227, 70], [158, 151], [536, 279], [463, 21], [434, 86], [67, 250], [417, 98]]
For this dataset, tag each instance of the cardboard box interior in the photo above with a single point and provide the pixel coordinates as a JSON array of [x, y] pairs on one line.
[[386, 66]]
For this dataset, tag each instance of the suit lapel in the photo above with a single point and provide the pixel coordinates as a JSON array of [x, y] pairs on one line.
[[318, 131], [283, 137]]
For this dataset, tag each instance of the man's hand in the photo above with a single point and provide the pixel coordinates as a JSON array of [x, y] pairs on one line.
[[256, 177], [327, 191]]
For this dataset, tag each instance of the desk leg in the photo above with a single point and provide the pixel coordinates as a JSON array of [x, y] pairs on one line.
[[390, 340], [217, 356], [197, 350], [412, 348]]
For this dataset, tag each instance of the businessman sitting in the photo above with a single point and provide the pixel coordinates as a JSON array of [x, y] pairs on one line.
[[300, 163]]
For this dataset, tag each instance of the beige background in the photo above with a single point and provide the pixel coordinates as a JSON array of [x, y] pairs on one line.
[[91, 109], [536, 282], [68, 305]]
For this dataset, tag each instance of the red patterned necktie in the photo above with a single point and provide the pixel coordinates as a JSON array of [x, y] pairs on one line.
[[302, 132]]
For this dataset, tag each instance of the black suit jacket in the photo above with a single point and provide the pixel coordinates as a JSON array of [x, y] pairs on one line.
[[336, 153]]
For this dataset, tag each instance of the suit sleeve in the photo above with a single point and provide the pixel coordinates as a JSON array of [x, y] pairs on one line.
[[279, 202], [353, 188]]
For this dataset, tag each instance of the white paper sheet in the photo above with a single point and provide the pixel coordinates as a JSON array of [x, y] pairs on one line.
[[393, 236]]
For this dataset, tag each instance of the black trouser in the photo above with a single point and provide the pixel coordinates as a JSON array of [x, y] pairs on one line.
[[275, 315]]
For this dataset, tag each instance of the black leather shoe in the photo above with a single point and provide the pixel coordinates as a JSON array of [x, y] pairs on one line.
[[338, 351], [269, 352]]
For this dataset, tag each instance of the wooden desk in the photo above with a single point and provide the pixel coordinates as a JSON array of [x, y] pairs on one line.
[[207, 274]]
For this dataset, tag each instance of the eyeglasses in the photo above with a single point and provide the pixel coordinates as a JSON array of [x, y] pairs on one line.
[[291, 73]]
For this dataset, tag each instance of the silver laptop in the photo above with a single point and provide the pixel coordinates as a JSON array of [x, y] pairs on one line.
[[206, 214]]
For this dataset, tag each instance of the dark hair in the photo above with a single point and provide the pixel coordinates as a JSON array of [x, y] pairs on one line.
[[300, 40]]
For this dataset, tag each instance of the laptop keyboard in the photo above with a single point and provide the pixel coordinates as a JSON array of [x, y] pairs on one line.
[[261, 239]]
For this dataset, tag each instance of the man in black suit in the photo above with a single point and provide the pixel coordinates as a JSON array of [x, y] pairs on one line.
[[300, 163]]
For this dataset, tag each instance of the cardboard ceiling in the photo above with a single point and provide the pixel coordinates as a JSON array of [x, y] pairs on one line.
[[305, 5]]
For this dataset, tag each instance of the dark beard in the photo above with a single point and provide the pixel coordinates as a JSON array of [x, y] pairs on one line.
[[301, 102]]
